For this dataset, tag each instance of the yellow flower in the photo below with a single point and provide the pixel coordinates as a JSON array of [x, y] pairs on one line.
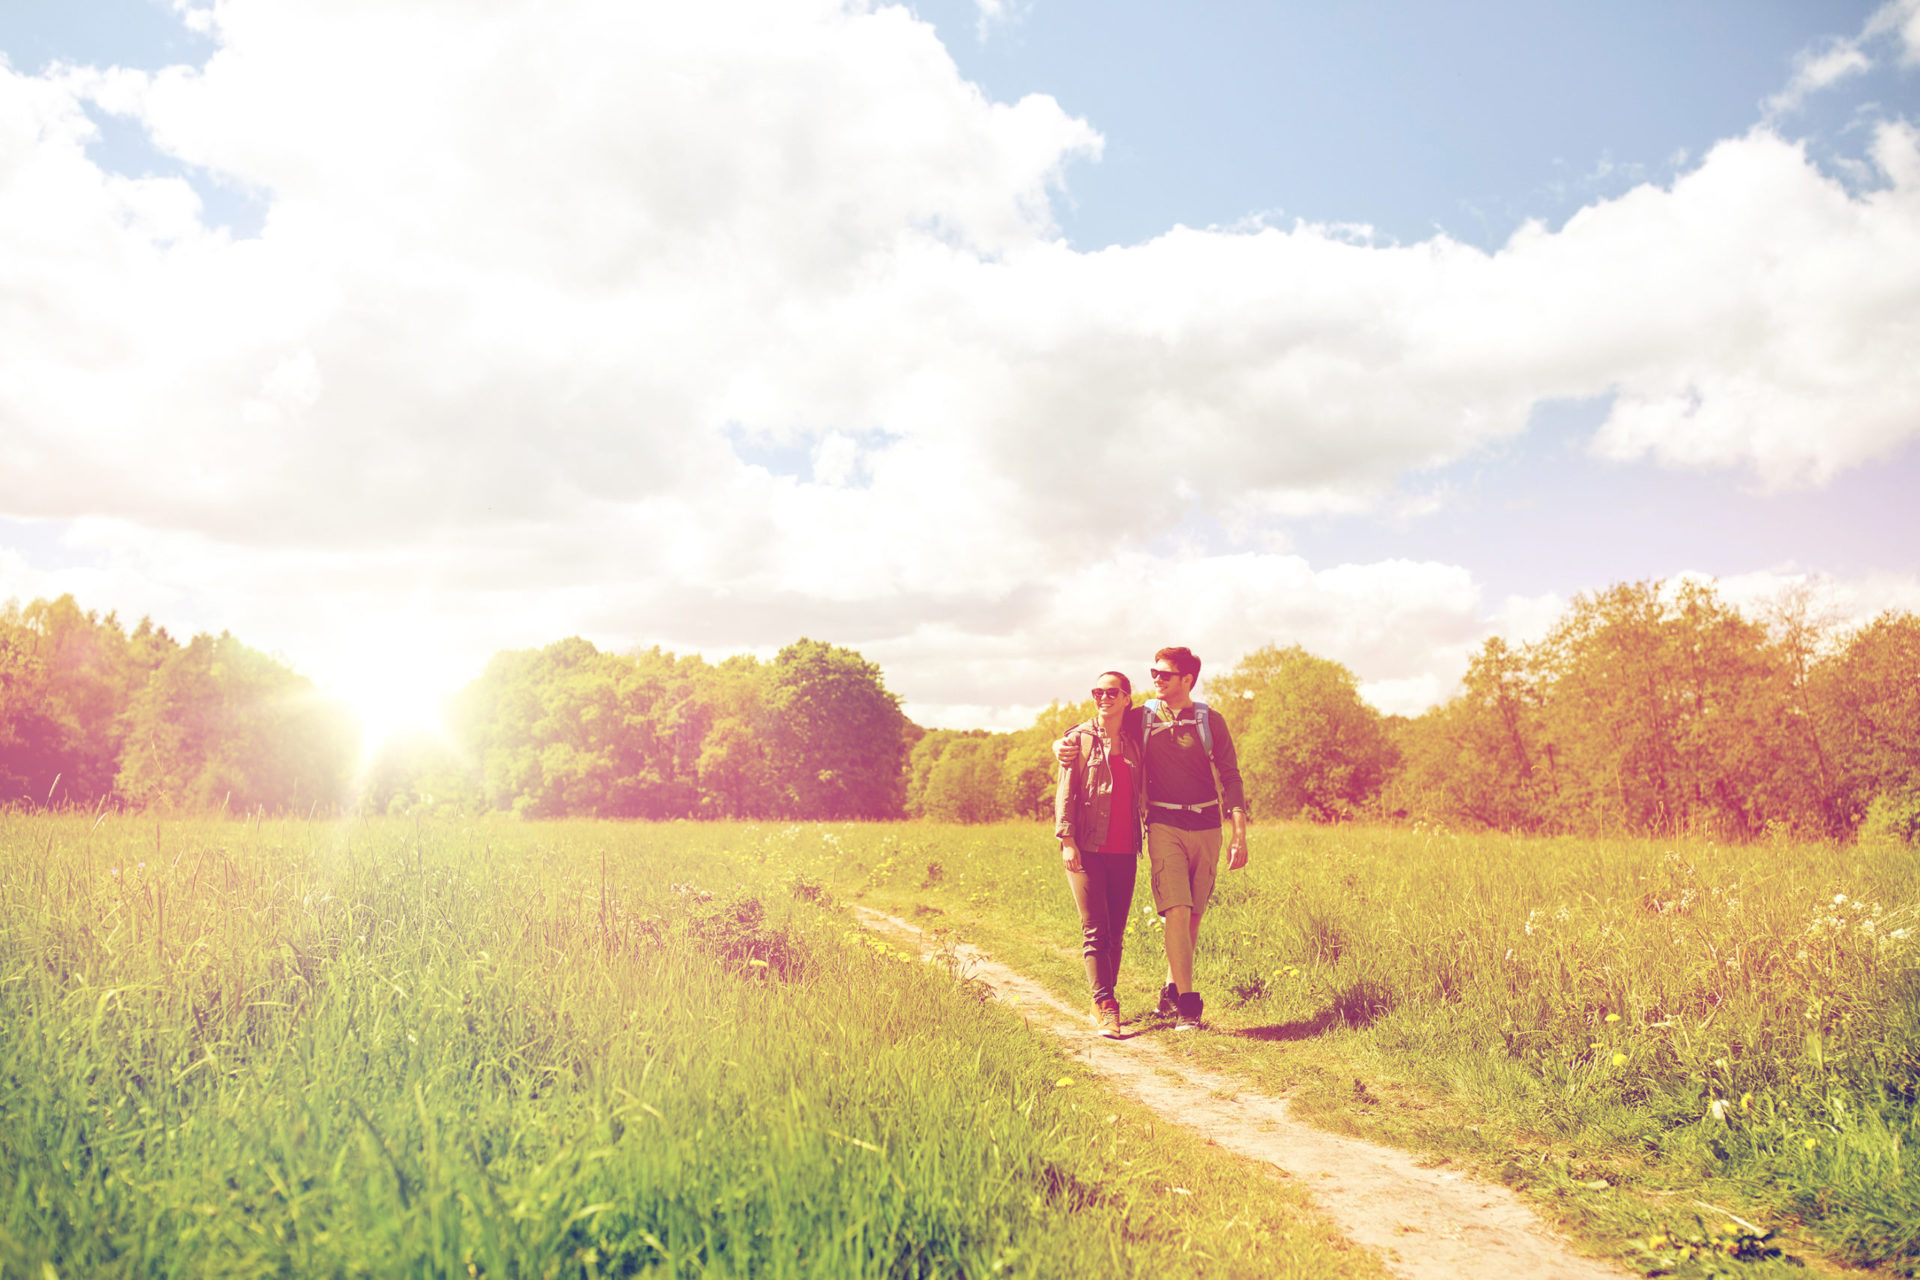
[[1619, 1059], [1746, 1102], [1063, 1082], [1613, 1017], [1810, 1143]]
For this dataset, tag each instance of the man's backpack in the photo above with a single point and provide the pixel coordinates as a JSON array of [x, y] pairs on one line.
[[1150, 721]]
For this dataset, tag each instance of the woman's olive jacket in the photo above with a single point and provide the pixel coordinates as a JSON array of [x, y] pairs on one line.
[[1083, 800]]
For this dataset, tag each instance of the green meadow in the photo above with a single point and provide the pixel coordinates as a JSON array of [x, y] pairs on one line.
[[456, 1047], [1693, 1056], [578, 1049]]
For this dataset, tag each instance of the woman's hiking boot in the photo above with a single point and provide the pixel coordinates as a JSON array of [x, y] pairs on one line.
[[1169, 1001], [1191, 1007], [1106, 1016]]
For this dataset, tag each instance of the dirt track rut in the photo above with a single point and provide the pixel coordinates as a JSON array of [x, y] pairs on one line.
[[1426, 1224]]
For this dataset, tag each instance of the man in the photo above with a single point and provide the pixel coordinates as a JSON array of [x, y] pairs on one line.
[[1184, 751]]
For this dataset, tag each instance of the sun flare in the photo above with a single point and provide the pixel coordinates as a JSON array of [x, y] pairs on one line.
[[392, 694]]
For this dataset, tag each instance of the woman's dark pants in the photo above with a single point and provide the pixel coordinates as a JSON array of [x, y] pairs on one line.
[[1104, 894]]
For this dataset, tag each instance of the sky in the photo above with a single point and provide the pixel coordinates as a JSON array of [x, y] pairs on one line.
[[1004, 341]]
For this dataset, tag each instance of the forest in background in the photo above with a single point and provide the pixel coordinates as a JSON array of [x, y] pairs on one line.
[[1648, 708]]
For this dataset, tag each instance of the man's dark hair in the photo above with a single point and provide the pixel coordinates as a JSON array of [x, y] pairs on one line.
[[1181, 659]]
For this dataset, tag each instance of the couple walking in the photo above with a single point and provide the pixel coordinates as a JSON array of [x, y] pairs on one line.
[[1168, 767]]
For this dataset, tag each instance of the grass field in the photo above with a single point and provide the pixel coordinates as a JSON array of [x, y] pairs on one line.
[[492, 1048], [1655, 1039], [232, 1049]]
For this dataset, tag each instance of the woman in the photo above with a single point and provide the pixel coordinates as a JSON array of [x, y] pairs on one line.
[[1098, 809]]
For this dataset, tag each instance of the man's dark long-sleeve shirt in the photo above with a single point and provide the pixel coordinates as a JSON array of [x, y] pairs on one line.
[[1179, 773]]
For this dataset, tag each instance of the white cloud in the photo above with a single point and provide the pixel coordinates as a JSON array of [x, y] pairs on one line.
[[1779, 312], [836, 460], [1842, 57], [1845, 604], [1819, 69], [1407, 697], [1901, 18], [1410, 625], [527, 270], [995, 13], [960, 660]]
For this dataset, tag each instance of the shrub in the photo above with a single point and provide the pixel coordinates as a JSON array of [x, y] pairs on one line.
[[1893, 818]]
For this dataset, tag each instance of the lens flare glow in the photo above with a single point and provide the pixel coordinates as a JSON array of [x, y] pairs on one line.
[[392, 692]]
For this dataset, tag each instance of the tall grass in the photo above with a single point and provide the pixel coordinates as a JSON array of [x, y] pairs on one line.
[[232, 1049], [1734, 1022]]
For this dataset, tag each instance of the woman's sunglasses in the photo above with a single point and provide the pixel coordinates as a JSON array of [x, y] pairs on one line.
[[1101, 695]]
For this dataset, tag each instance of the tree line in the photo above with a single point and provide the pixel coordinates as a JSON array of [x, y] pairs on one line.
[[1647, 709], [569, 729], [92, 713]]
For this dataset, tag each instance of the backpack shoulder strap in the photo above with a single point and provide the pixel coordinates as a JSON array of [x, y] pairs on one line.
[[1154, 717]]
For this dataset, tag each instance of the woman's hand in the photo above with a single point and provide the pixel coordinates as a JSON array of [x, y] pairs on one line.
[[1070, 856]]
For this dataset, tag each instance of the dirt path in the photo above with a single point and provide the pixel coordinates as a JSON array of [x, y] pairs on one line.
[[1428, 1224]]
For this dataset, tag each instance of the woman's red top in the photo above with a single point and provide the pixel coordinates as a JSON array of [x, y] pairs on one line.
[[1123, 830]]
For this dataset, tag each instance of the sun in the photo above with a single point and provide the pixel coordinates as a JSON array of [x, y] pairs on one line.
[[393, 694]]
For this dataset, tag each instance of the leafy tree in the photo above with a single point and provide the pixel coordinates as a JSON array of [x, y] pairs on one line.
[[494, 717], [735, 768], [1866, 704], [1802, 632], [921, 758], [1310, 745], [572, 730], [220, 725], [1668, 716], [843, 736], [69, 676], [1480, 757], [32, 742], [1609, 735], [1028, 771], [1745, 765], [963, 783]]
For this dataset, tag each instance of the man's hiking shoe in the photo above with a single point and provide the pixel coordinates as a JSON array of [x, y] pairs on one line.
[[1106, 1016], [1191, 1007], [1169, 1001]]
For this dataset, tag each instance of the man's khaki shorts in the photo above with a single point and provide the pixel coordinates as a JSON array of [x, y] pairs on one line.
[[1182, 864]]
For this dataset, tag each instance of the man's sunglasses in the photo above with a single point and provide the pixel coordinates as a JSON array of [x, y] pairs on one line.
[[1159, 675], [1100, 695]]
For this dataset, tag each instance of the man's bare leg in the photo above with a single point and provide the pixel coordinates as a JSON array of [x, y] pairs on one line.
[[1193, 946], [1181, 928]]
